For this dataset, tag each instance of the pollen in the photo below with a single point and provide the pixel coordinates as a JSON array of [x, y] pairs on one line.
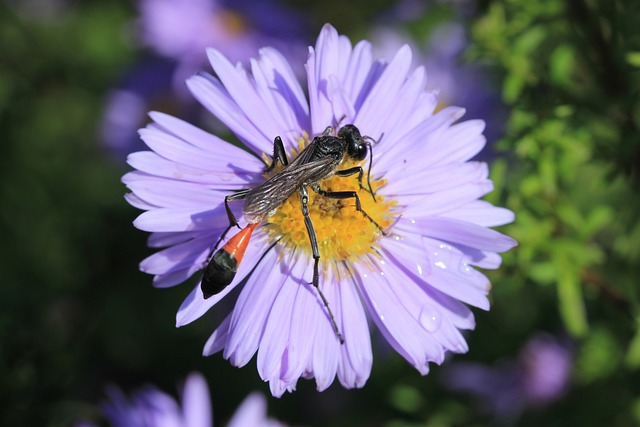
[[343, 233]]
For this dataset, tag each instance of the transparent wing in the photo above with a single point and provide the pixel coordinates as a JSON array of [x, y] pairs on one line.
[[264, 199]]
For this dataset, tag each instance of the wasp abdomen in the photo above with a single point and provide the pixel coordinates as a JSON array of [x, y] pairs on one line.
[[219, 273], [223, 266]]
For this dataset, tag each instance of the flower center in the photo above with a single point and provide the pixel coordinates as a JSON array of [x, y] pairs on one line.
[[232, 22], [343, 233]]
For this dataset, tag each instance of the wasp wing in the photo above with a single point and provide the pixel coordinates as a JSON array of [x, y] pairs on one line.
[[262, 201]]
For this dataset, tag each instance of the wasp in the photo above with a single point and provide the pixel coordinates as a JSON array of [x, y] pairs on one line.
[[319, 160]]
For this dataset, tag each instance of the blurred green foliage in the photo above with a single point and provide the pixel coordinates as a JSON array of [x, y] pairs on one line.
[[75, 314]]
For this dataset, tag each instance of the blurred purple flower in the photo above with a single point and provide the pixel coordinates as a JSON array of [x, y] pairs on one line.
[[179, 31], [184, 29], [539, 377], [412, 282], [150, 407], [148, 83]]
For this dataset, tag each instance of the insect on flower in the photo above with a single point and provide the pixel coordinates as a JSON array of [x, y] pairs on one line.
[[319, 160], [410, 267]]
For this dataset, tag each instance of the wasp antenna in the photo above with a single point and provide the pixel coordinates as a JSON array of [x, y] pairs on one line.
[[369, 173], [344, 116], [331, 318]]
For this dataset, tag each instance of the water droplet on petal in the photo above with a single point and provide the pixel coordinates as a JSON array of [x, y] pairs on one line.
[[430, 320], [464, 268], [441, 264]]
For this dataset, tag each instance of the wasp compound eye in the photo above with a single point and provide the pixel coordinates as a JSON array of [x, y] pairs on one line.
[[356, 146], [357, 150]]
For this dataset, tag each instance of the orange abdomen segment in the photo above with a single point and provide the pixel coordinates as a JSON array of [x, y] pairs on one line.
[[237, 245]]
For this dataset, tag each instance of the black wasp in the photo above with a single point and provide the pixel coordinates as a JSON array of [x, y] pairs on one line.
[[319, 160]]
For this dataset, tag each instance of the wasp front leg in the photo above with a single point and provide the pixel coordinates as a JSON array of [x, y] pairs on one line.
[[279, 154], [341, 195]]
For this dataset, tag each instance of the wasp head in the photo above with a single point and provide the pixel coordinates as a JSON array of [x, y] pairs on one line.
[[356, 145]]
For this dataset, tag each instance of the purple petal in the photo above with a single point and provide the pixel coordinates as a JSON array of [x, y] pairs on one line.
[[356, 358], [181, 219], [192, 135], [482, 213], [439, 204], [218, 339], [174, 278], [196, 402], [357, 70], [324, 61], [389, 155], [434, 180], [252, 308], [215, 97], [163, 192], [281, 92], [438, 266], [163, 240], [252, 412], [458, 232], [180, 256], [151, 163], [398, 327], [378, 105], [273, 344], [242, 92]]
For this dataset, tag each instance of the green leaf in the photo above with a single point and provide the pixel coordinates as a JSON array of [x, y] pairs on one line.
[[406, 398], [570, 299], [561, 64], [599, 356], [512, 87], [632, 359], [633, 58]]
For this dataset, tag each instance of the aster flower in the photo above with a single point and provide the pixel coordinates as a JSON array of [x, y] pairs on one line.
[[151, 407], [413, 281], [147, 83], [538, 377]]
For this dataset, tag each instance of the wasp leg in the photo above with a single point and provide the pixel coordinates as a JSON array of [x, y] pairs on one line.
[[341, 195], [304, 200], [357, 170], [233, 222], [279, 154]]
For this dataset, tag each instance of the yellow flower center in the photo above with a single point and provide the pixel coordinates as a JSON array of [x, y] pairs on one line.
[[343, 233]]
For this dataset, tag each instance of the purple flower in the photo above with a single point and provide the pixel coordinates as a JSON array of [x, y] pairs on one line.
[[237, 29], [150, 407], [145, 84], [539, 377], [413, 281]]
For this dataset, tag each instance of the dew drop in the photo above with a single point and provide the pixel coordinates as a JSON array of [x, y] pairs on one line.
[[430, 320], [465, 268]]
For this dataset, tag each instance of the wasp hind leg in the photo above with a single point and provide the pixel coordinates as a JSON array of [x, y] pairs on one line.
[[304, 199], [233, 222]]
